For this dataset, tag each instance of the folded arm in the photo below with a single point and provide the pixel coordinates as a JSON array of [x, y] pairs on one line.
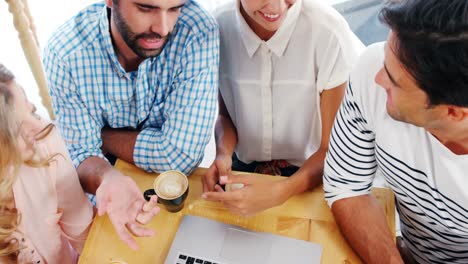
[[189, 111]]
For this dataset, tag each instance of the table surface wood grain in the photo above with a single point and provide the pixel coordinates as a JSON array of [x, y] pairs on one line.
[[306, 217]]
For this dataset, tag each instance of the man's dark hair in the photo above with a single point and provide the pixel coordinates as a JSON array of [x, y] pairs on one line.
[[432, 44]]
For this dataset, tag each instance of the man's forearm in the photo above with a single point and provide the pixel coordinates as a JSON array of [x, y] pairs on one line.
[[119, 142], [365, 227], [91, 173]]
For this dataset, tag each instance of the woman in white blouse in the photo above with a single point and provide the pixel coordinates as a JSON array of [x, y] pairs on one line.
[[283, 71]]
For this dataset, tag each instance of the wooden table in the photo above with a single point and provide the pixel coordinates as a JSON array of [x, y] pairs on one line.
[[305, 216]]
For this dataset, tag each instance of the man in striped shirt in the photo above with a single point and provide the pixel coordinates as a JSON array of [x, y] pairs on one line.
[[405, 114], [136, 79]]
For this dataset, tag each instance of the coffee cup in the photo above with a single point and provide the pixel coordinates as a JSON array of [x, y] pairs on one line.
[[172, 188]]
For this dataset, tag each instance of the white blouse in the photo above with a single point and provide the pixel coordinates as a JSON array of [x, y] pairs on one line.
[[272, 89]]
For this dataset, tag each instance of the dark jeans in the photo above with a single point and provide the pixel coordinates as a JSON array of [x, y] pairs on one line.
[[238, 165], [111, 158]]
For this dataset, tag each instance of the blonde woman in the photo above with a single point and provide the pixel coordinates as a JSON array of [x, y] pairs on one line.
[[44, 214]]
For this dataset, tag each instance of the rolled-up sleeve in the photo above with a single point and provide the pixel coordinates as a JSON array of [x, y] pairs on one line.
[[80, 130], [191, 109], [337, 53], [350, 164]]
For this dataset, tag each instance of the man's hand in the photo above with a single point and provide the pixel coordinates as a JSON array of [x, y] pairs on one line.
[[257, 194], [120, 198], [221, 167]]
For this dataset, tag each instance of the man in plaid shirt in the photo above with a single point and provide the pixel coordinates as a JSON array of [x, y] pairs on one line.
[[136, 79]]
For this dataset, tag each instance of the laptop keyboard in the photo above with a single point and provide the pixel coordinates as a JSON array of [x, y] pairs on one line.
[[187, 259]]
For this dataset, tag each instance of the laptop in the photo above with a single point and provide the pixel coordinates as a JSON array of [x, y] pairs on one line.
[[202, 241]]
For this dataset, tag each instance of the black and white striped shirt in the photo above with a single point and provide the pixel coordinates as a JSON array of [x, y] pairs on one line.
[[430, 182]]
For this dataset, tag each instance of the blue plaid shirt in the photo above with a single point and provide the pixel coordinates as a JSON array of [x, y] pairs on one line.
[[171, 99]]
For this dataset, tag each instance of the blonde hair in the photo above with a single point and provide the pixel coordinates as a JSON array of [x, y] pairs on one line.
[[10, 162]]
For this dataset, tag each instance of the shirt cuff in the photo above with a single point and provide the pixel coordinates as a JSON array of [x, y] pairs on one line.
[[145, 152], [333, 197], [154, 154], [338, 80], [78, 158]]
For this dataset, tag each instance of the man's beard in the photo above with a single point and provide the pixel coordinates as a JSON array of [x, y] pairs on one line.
[[131, 38]]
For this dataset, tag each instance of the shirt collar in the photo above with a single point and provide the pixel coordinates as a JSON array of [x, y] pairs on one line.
[[250, 39], [279, 41]]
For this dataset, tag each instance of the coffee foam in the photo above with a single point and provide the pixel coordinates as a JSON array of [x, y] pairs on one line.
[[170, 184], [170, 187]]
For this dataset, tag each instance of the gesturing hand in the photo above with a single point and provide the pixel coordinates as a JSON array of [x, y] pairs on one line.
[[120, 198], [257, 194]]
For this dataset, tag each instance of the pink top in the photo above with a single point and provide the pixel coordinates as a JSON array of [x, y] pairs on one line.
[[55, 212]]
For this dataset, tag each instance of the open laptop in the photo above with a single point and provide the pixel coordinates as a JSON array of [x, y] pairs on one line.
[[203, 241]]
